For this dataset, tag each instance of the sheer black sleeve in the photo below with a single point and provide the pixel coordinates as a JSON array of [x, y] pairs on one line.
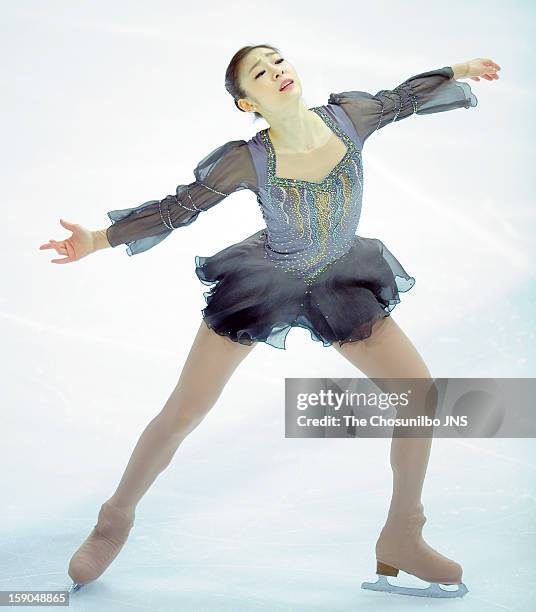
[[428, 92], [226, 169]]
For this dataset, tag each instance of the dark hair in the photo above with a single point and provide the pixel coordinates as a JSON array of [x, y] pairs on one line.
[[231, 74]]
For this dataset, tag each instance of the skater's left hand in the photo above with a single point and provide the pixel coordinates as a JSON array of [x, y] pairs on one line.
[[482, 67]]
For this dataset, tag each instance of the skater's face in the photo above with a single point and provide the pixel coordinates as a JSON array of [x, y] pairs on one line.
[[261, 75]]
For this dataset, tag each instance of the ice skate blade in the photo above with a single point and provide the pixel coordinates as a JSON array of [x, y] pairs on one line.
[[434, 590]]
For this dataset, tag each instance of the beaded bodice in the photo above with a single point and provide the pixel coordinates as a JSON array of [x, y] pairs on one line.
[[310, 224]]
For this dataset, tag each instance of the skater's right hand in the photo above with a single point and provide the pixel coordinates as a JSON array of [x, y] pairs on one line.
[[78, 245]]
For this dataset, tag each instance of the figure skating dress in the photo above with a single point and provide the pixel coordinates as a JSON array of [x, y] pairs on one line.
[[307, 268]]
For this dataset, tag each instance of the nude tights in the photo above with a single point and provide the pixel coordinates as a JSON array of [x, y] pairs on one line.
[[210, 364]]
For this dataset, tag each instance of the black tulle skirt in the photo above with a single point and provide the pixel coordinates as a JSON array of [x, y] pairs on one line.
[[252, 300]]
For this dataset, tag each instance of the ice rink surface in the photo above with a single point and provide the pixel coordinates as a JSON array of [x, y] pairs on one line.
[[101, 114]]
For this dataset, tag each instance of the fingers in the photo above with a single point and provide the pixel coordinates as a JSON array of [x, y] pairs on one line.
[[53, 244], [61, 261], [491, 67], [491, 63], [70, 251], [492, 74], [62, 248]]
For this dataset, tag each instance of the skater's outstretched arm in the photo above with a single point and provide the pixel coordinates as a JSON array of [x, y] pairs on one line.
[[226, 169], [425, 93]]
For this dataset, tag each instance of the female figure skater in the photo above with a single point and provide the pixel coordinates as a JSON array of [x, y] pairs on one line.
[[307, 268]]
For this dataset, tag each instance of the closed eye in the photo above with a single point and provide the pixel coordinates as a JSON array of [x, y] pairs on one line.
[[276, 62]]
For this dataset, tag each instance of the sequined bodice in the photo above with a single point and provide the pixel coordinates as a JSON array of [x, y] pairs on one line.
[[311, 224]]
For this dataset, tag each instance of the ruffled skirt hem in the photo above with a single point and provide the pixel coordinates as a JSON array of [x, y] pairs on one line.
[[252, 300]]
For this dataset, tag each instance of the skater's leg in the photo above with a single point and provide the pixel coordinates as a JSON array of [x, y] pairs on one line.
[[388, 353], [210, 364]]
